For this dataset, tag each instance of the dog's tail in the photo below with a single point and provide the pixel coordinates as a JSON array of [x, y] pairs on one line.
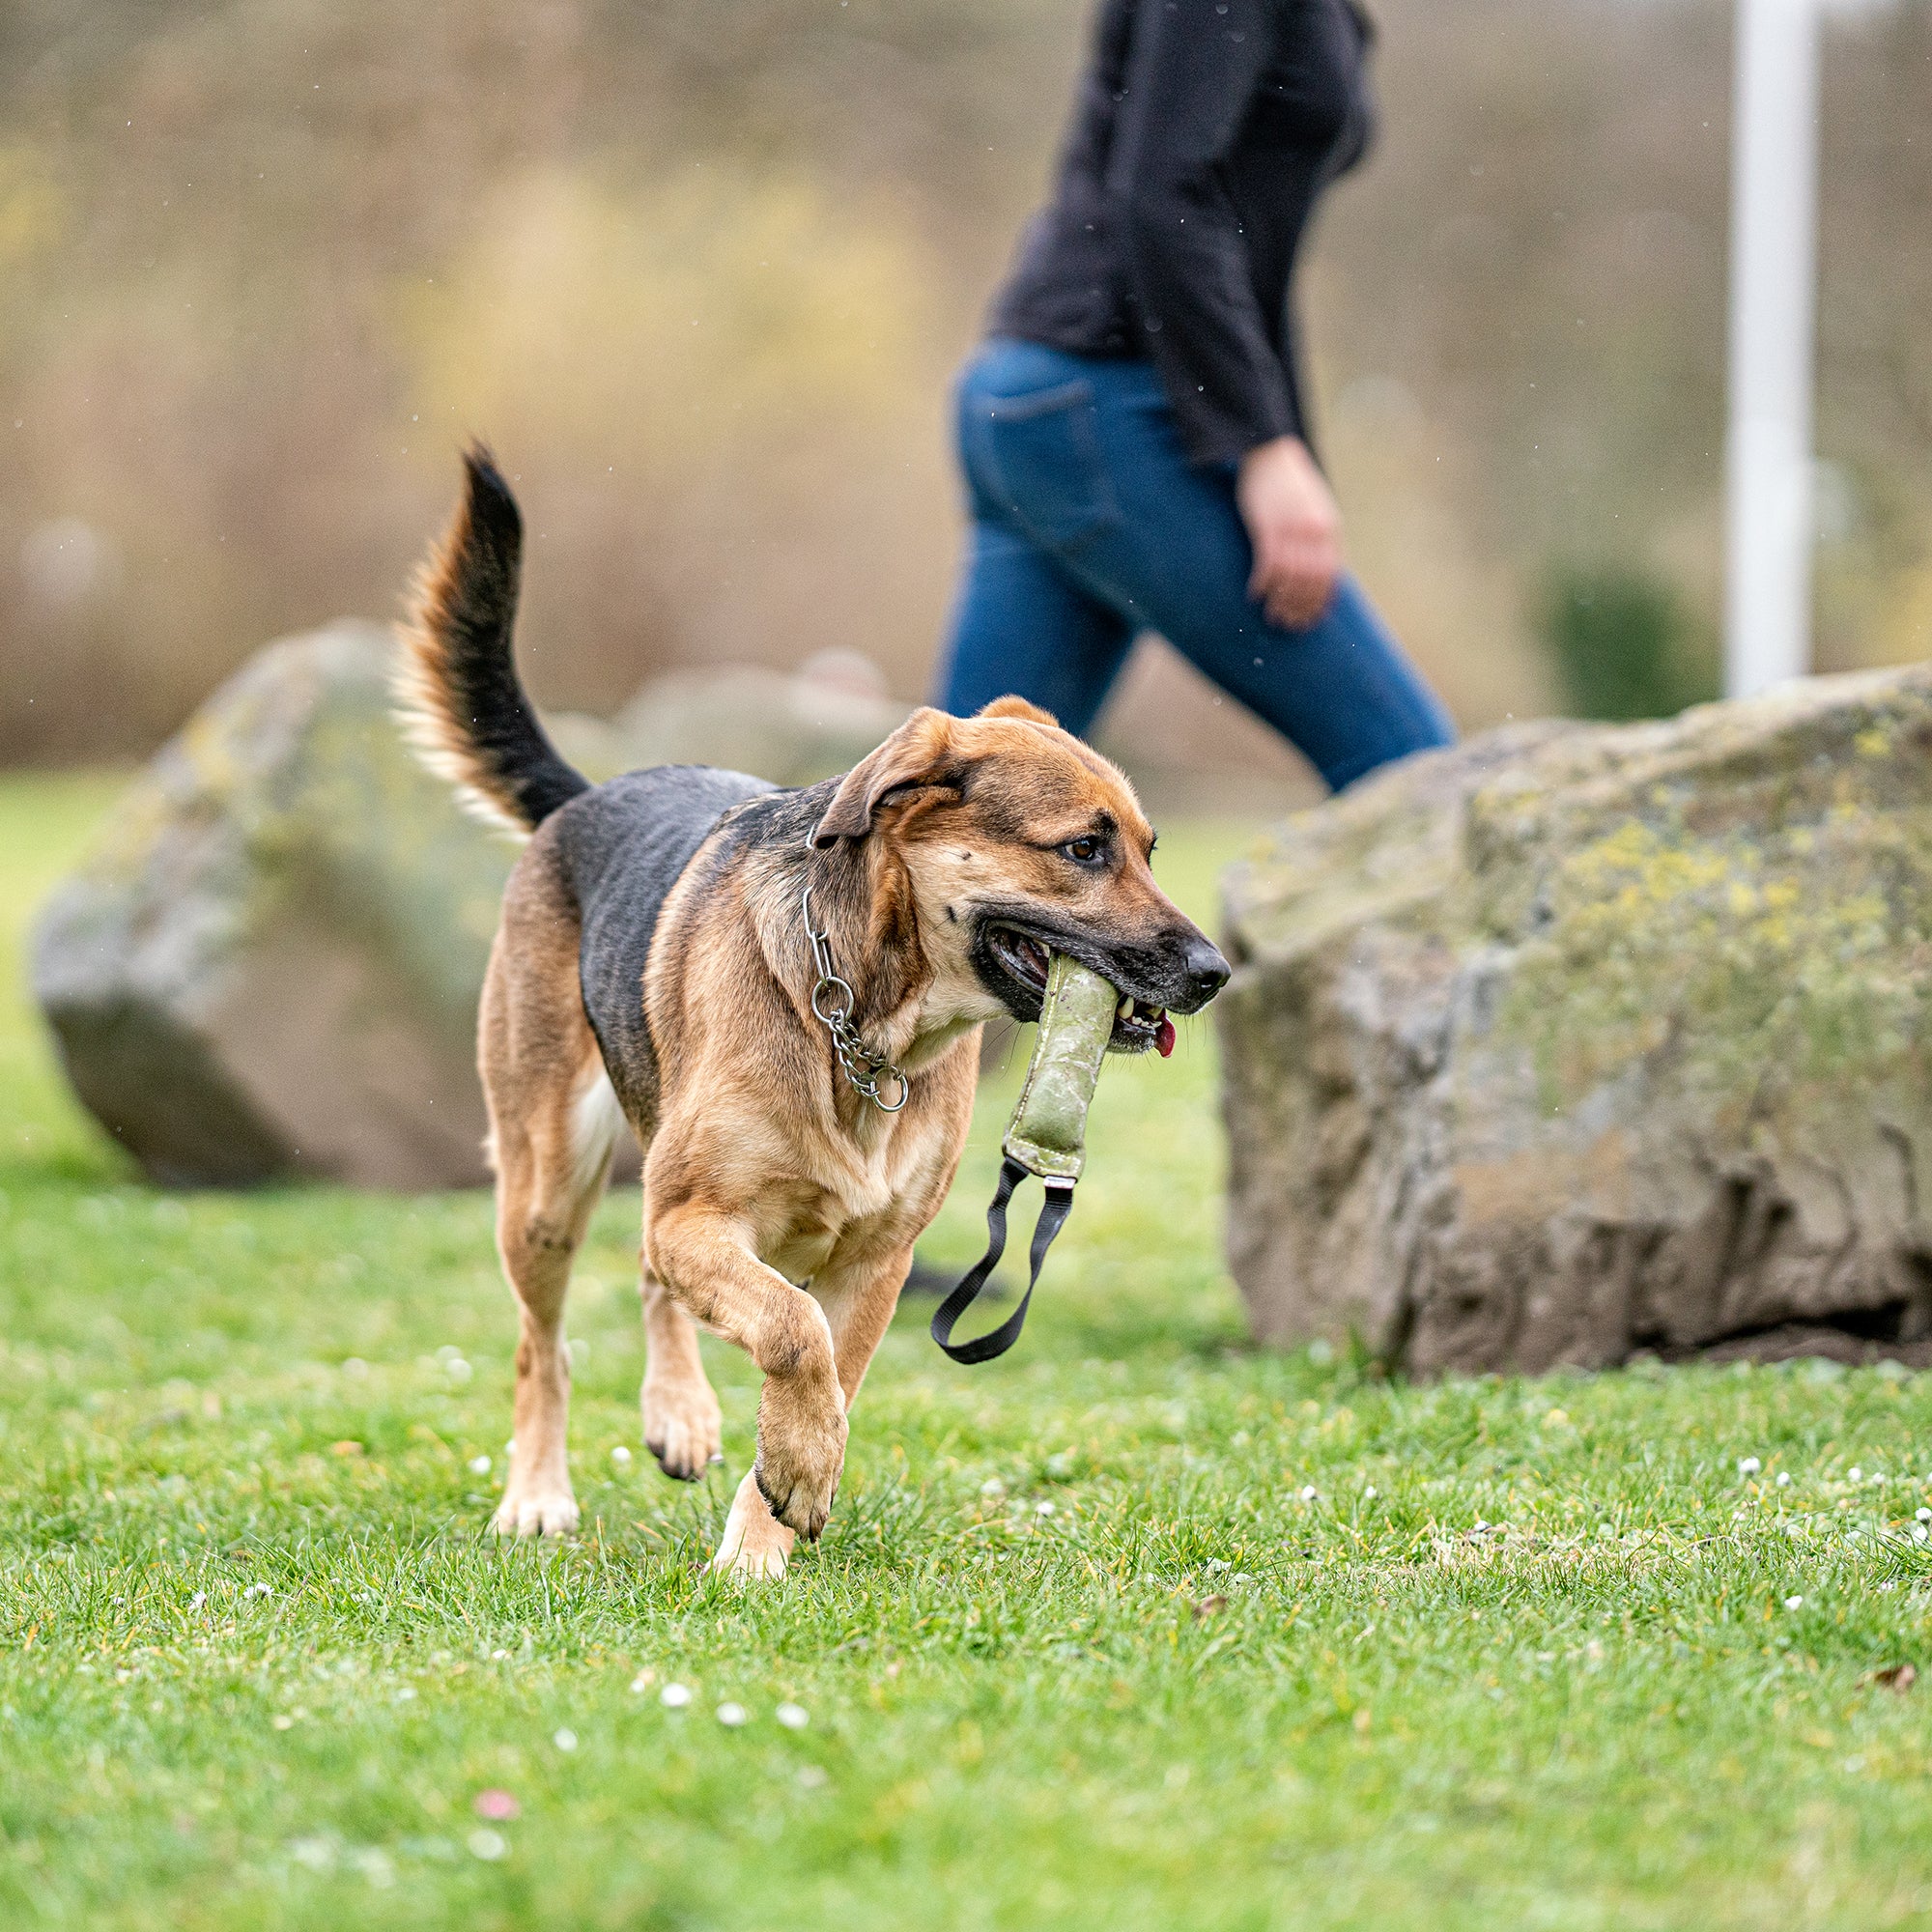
[[458, 697]]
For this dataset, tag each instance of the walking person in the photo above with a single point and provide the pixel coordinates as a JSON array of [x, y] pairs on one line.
[[1134, 429]]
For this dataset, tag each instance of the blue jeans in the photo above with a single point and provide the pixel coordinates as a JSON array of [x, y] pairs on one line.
[[1090, 526]]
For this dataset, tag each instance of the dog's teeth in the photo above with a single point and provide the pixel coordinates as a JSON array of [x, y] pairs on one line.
[[1126, 1007]]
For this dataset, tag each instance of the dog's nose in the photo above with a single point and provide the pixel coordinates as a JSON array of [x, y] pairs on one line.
[[1207, 971]]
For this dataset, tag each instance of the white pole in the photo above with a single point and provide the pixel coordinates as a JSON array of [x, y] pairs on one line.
[[1773, 271]]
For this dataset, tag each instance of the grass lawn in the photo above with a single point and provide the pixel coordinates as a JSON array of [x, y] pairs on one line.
[[1136, 1627]]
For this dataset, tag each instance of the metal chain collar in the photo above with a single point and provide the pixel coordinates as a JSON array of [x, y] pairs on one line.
[[832, 1002]]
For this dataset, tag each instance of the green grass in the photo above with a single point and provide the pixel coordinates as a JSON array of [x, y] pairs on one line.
[[258, 1659]]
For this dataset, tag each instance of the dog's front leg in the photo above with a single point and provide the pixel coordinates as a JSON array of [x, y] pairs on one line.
[[754, 1543], [704, 1258], [858, 1298], [858, 1293], [683, 1428]]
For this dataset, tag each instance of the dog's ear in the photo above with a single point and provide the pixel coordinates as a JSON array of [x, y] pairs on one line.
[[917, 754], [1017, 707]]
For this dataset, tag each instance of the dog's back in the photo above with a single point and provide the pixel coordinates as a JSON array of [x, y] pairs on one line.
[[622, 846]]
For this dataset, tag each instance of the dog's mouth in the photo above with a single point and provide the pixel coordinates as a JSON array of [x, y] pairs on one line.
[[1023, 961]]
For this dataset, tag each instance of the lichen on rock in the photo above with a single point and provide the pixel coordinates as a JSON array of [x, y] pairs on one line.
[[1574, 1041], [267, 966]]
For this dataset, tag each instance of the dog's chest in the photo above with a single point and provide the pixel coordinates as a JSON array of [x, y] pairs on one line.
[[801, 1252], [891, 1184], [809, 1237]]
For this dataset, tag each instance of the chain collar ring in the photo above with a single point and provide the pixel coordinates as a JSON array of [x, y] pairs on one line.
[[833, 1001]]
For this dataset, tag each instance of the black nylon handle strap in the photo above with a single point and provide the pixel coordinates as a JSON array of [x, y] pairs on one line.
[[1052, 1218]]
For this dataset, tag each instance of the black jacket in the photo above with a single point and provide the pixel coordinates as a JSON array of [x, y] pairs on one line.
[[1202, 132]]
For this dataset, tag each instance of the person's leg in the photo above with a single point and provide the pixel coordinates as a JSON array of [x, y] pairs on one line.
[[1343, 691], [1174, 559], [1022, 628], [1022, 624]]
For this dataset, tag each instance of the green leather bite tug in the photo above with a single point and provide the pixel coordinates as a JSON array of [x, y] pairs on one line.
[[1047, 1137], [1047, 1134]]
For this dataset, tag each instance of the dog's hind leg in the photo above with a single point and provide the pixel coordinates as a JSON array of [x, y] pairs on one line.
[[547, 1182], [553, 1124]]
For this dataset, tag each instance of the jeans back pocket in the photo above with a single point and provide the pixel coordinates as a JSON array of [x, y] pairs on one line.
[[1038, 457]]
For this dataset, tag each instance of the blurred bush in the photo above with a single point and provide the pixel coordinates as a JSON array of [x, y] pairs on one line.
[[701, 270], [1624, 645]]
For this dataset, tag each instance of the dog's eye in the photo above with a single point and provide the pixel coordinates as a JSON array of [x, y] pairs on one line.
[[1084, 851]]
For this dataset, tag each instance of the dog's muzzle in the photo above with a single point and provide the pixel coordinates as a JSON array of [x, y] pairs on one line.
[[1179, 972]]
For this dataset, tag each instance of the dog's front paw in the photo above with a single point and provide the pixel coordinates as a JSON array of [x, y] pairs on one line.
[[755, 1544], [801, 1451], [764, 1562], [535, 1509], [684, 1428]]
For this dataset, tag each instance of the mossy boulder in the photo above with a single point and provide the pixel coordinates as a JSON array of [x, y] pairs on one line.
[[1577, 1041], [793, 727], [268, 965]]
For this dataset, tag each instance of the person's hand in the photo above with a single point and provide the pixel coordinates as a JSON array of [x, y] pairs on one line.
[[1294, 527]]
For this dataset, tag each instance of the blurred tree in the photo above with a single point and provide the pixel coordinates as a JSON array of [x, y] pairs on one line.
[[1623, 645], [1874, 345], [262, 265]]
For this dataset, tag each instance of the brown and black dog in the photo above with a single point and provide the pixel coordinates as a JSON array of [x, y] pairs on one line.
[[653, 966]]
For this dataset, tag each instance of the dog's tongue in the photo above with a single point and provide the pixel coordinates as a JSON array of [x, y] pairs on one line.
[[1163, 1039]]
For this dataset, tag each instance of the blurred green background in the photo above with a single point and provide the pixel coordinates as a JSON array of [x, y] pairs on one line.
[[701, 270]]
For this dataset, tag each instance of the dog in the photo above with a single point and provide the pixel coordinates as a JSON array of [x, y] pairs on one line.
[[655, 966]]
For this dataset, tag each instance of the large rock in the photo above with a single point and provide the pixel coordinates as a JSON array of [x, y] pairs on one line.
[[792, 728], [268, 965], [1576, 1041]]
